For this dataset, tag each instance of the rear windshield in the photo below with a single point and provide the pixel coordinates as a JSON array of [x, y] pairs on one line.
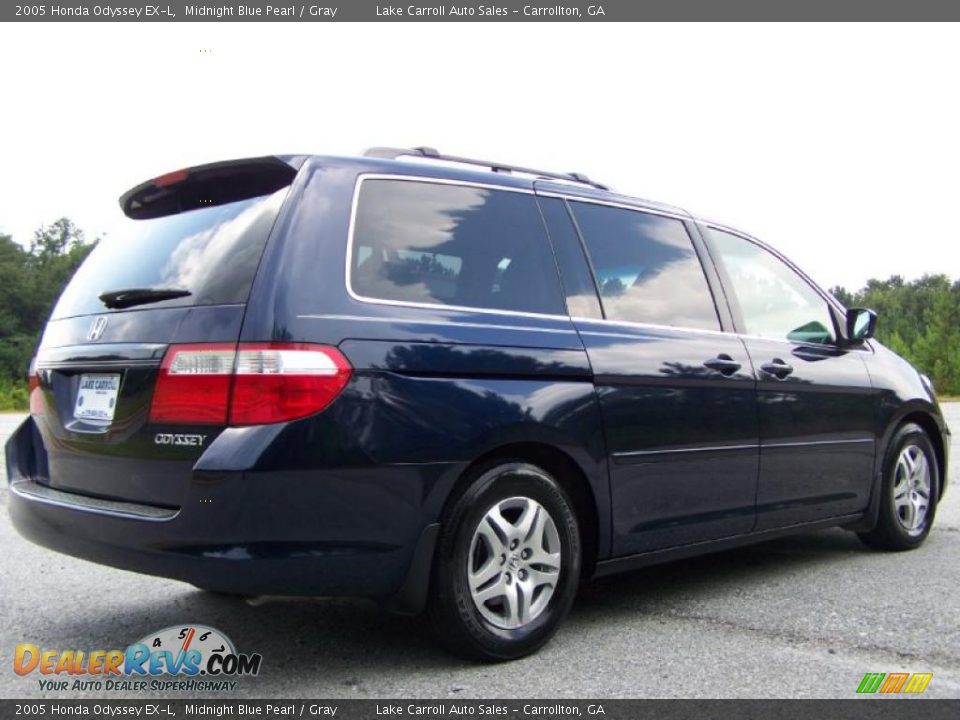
[[213, 253]]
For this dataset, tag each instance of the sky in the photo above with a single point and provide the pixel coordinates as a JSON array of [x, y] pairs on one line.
[[837, 144]]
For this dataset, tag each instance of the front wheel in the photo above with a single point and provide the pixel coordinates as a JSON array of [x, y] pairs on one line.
[[508, 564], [909, 490]]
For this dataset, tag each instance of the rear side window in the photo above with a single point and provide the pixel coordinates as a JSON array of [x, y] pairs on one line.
[[212, 253], [439, 244], [647, 269]]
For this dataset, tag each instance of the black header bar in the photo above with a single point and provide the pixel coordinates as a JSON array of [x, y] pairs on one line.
[[491, 11]]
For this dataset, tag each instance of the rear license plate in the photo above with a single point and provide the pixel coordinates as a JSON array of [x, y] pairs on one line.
[[97, 397]]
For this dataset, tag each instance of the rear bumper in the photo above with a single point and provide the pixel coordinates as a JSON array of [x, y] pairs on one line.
[[254, 533]]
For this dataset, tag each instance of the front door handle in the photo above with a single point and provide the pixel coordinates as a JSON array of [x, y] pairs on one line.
[[778, 368], [723, 364]]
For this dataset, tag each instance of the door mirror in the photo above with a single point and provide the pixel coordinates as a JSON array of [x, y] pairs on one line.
[[861, 324]]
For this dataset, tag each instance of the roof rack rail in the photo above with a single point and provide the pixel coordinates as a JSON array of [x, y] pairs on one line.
[[389, 153]]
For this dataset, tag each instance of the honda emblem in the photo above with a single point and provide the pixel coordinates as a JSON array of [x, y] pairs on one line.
[[97, 328]]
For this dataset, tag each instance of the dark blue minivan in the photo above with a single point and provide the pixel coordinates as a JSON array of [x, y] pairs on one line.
[[454, 386]]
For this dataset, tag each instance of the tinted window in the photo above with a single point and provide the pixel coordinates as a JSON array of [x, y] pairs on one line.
[[647, 270], [213, 253], [453, 245], [578, 282], [774, 300]]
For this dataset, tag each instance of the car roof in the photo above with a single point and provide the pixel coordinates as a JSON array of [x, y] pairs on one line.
[[451, 170], [441, 167]]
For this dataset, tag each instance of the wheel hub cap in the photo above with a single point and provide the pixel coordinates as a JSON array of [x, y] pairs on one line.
[[514, 562], [911, 489]]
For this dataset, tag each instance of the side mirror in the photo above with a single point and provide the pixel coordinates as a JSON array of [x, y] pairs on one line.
[[861, 324]]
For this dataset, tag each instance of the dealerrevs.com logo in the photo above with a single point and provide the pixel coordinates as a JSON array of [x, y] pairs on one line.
[[191, 658]]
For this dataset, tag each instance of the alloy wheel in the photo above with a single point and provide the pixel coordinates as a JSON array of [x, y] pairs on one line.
[[911, 489], [513, 566]]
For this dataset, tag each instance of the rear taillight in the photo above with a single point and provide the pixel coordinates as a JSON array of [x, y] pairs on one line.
[[247, 384], [35, 393], [194, 385], [273, 383]]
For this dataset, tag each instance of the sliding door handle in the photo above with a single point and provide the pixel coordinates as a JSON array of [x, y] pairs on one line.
[[723, 364], [778, 368]]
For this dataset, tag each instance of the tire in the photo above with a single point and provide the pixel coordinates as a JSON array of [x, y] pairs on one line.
[[909, 489], [502, 537]]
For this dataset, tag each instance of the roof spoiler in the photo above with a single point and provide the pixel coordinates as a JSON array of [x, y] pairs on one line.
[[389, 153], [209, 185]]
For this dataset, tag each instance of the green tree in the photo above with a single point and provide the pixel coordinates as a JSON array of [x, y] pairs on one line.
[[31, 279], [938, 345], [919, 320]]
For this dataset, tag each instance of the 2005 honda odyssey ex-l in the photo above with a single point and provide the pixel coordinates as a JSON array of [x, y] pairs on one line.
[[453, 386]]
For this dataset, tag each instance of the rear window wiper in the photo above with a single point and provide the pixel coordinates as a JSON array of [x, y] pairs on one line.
[[117, 299]]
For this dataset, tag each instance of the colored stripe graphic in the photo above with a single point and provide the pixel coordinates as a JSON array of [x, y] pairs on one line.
[[894, 683], [870, 682], [918, 682]]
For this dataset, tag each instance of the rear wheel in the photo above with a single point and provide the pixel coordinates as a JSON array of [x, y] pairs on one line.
[[508, 564], [909, 489]]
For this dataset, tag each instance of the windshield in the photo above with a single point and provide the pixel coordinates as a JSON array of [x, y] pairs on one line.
[[212, 253]]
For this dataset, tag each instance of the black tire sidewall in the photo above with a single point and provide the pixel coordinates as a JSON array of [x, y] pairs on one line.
[[471, 633]]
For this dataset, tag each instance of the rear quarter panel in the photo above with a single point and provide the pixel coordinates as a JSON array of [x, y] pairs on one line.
[[433, 389]]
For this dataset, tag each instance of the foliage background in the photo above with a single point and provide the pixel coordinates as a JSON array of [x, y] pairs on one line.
[[919, 319], [31, 279]]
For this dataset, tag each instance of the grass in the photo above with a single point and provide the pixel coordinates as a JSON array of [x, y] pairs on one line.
[[13, 395]]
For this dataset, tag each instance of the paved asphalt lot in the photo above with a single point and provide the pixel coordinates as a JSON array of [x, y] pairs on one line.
[[801, 617]]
